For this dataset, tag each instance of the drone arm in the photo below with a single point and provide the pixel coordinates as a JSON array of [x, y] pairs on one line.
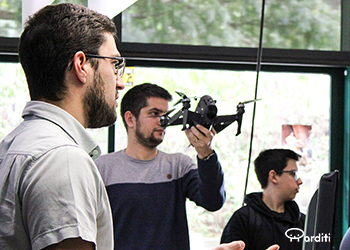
[[221, 122], [239, 122], [184, 119], [188, 117], [175, 119], [240, 112]]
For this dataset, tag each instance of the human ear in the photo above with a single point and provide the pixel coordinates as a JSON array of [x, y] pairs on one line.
[[130, 119], [272, 176], [79, 68]]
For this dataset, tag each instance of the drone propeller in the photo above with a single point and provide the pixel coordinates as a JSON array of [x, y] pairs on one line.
[[184, 98], [169, 111], [182, 95], [255, 100], [179, 101]]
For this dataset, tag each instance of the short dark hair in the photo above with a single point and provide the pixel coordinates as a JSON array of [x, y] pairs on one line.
[[137, 98], [50, 40], [272, 159]]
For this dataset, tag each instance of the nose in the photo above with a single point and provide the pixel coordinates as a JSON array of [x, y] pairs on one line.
[[299, 181], [120, 83]]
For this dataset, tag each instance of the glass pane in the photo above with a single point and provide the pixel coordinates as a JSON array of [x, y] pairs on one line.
[[303, 24], [100, 135], [14, 95], [286, 99], [11, 16]]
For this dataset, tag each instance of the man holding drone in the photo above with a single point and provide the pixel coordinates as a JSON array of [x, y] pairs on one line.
[[147, 187]]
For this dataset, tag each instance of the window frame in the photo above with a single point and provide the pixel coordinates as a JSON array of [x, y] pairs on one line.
[[334, 63]]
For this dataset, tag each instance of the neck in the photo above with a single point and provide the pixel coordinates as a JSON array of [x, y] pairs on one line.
[[72, 106], [272, 201], [137, 151]]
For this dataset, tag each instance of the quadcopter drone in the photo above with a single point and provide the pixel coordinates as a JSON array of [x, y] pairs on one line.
[[205, 114]]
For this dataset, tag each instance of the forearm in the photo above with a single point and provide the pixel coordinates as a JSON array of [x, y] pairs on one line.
[[211, 182]]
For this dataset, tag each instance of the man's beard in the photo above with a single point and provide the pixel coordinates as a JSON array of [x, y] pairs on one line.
[[150, 142], [98, 113]]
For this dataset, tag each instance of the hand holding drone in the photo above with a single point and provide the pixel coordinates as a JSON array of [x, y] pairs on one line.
[[205, 114]]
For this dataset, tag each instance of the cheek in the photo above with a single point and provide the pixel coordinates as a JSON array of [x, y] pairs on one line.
[[109, 78], [150, 127], [294, 185], [110, 88]]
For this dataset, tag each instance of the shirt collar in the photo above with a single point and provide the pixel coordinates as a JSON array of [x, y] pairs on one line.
[[66, 122]]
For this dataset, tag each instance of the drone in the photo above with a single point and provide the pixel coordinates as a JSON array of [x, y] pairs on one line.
[[205, 114]]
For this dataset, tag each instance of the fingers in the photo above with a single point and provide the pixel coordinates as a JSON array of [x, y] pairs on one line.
[[213, 130], [201, 139], [200, 130], [234, 245], [199, 136], [273, 247], [202, 133]]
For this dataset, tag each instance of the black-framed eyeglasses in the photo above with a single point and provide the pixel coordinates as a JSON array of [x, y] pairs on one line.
[[293, 173], [119, 65]]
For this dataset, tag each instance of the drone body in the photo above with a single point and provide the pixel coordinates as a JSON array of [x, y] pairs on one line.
[[205, 115]]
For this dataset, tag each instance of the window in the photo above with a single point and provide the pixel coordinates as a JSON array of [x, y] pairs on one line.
[[286, 99], [14, 95], [11, 15], [312, 25], [304, 24]]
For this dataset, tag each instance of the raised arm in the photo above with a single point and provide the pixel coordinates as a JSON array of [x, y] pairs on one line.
[[206, 186]]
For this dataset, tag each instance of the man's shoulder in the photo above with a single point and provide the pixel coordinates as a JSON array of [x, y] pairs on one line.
[[244, 211], [35, 140], [174, 156], [113, 155]]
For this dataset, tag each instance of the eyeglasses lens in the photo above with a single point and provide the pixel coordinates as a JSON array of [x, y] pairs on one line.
[[296, 176], [120, 68]]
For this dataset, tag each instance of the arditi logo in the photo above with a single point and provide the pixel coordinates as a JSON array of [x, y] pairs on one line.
[[297, 234]]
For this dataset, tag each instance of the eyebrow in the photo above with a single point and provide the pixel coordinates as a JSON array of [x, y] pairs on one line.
[[156, 109]]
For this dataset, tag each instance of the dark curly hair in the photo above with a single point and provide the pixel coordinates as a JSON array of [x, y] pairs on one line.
[[136, 98], [272, 159], [50, 40]]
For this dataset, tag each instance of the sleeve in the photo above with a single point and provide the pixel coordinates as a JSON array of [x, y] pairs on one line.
[[62, 197], [205, 185], [302, 220], [237, 228]]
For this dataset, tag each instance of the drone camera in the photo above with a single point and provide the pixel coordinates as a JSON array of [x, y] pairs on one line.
[[207, 107], [212, 111]]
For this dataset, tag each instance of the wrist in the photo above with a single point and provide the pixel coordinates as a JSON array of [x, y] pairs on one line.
[[207, 157]]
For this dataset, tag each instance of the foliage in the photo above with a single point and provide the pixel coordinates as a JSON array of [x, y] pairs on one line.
[[295, 24], [13, 96], [287, 98], [11, 15]]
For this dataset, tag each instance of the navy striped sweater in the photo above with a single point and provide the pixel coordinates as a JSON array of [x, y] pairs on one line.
[[148, 197]]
